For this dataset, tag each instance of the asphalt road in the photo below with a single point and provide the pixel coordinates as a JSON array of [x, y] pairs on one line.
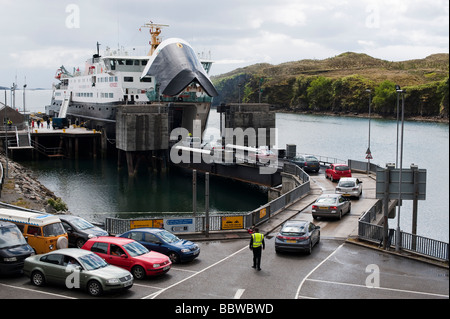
[[335, 270]]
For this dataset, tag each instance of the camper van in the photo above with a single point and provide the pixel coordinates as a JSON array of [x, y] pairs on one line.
[[44, 232]]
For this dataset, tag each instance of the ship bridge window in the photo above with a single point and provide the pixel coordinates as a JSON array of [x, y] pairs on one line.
[[128, 79], [144, 62], [136, 62], [146, 79], [129, 62]]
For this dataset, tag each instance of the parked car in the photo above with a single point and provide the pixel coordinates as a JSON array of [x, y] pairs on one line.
[[80, 230], [164, 242], [13, 249], [308, 163], [129, 254], [331, 205], [297, 235], [60, 123], [349, 186], [95, 275], [336, 171], [263, 155]]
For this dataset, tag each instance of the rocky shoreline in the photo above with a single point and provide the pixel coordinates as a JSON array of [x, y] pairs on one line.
[[20, 188]]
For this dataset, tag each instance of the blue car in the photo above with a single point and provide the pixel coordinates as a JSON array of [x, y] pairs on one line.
[[164, 242]]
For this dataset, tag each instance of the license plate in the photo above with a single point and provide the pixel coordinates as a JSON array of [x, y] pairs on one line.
[[345, 194], [166, 268], [128, 283], [291, 241], [323, 207]]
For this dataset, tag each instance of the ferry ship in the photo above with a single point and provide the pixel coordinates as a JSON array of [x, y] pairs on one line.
[[171, 74]]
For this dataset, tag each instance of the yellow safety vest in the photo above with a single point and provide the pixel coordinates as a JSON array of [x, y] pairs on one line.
[[257, 239]]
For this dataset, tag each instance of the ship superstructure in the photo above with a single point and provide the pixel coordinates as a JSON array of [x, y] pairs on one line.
[[90, 97]]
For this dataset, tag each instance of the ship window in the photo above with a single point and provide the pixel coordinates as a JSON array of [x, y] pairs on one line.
[[128, 79], [129, 62], [111, 95], [146, 79], [116, 78], [136, 62], [111, 79], [144, 62]]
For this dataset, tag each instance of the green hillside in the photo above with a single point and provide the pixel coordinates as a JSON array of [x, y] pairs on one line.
[[339, 85]]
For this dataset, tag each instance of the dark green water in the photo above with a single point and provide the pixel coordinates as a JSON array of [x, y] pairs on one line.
[[96, 188]]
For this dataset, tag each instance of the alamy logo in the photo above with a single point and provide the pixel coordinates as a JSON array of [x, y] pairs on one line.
[[73, 19], [188, 148]]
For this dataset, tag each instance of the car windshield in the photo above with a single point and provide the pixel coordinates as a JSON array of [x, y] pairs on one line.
[[11, 236], [135, 249], [346, 184], [342, 168], [82, 224], [169, 237], [53, 230], [293, 230], [92, 262], [326, 200]]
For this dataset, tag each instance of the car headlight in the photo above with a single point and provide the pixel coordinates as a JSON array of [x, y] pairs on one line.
[[156, 265], [113, 281], [50, 247], [9, 259], [185, 250]]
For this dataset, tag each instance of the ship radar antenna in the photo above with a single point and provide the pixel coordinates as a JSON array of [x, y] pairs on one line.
[[155, 31]]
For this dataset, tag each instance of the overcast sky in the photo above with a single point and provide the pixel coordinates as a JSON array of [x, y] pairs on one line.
[[39, 36]]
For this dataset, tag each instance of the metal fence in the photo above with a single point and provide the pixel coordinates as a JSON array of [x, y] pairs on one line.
[[409, 242]]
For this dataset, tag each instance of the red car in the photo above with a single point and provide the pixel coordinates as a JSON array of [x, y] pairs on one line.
[[336, 171], [129, 254]]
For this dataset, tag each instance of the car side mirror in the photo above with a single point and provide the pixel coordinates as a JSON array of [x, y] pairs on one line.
[[124, 256], [317, 227]]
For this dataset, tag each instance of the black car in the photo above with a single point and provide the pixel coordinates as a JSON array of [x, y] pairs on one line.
[[80, 230], [13, 249], [308, 163], [297, 235]]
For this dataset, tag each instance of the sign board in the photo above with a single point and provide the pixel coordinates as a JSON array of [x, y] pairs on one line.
[[369, 156], [262, 213], [408, 185], [155, 223], [233, 222], [179, 225]]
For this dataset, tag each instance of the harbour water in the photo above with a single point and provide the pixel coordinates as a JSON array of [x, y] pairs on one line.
[[94, 189]]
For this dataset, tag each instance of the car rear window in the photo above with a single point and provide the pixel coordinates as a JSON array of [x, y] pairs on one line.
[[296, 230], [326, 200], [342, 168], [311, 159], [346, 184]]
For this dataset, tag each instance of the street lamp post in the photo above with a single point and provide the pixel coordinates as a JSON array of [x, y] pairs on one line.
[[398, 235]]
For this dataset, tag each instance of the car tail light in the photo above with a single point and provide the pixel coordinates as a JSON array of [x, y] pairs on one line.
[[354, 188], [314, 207], [333, 207]]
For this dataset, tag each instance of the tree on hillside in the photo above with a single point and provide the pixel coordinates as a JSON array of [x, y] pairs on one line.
[[320, 94], [385, 98]]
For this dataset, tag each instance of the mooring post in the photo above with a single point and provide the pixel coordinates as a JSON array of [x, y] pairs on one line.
[[194, 192], [207, 204]]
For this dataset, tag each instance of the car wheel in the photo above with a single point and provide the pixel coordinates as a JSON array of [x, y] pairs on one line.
[[138, 272], [309, 251], [80, 242], [340, 215], [94, 288], [38, 278], [174, 258]]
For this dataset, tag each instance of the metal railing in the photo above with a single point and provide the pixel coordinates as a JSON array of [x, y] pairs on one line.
[[255, 217], [409, 242]]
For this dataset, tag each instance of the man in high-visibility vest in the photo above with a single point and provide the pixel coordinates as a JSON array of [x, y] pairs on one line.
[[257, 245]]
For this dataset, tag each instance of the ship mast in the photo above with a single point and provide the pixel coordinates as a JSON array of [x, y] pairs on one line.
[[155, 30]]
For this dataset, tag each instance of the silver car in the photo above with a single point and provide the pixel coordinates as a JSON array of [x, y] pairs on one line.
[[349, 186], [331, 205], [77, 268]]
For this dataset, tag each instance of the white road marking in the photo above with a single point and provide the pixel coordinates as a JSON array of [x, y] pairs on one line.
[[38, 291], [239, 293], [380, 288], [156, 294], [320, 264]]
